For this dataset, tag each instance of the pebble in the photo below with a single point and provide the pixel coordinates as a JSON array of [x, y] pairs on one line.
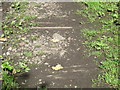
[[95, 57], [69, 39], [78, 49], [21, 53], [73, 20], [23, 38], [10, 48], [8, 53], [62, 52], [43, 56], [34, 42], [22, 44], [68, 59], [46, 63], [40, 82], [40, 79], [53, 72], [53, 83], [0, 10], [23, 83], [75, 86]]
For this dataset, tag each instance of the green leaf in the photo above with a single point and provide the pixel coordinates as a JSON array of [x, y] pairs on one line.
[[27, 69]]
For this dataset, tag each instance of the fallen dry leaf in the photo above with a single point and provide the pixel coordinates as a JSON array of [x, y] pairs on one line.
[[14, 71], [3, 39], [57, 67]]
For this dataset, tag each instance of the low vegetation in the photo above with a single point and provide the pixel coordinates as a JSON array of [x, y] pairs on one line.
[[28, 54], [103, 42], [15, 22]]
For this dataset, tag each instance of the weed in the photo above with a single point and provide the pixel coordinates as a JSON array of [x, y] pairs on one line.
[[37, 46], [41, 52], [9, 72], [28, 54], [104, 41], [8, 81], [82, 22], [15, 22], [33, 38]]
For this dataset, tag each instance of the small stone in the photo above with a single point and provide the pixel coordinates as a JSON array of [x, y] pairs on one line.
[[45, 69], [8, 53], [101, 63], [21, 53], [78, 49], [10, 48], [0, 10], [34, 42], [69, 38], [22, 44], [4, 54], [23, 83], [46, 43], [68, 59], [46, 63], [62, 52], [23, 38], [40, 79], [53, 83], [73, 20], [75, 86], [95, 57], [40, 82], [43, 56]]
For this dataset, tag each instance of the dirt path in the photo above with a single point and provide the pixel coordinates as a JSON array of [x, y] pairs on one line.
[[56, 42]]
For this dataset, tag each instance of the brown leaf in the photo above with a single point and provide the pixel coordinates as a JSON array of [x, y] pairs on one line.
[[14, 71], [57, 67], [3, 39]]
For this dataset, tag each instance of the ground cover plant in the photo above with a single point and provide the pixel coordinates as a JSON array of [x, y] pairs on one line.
[[15, 22], [103, 41]]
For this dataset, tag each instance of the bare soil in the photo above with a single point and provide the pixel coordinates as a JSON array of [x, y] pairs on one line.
[[61, 44]]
